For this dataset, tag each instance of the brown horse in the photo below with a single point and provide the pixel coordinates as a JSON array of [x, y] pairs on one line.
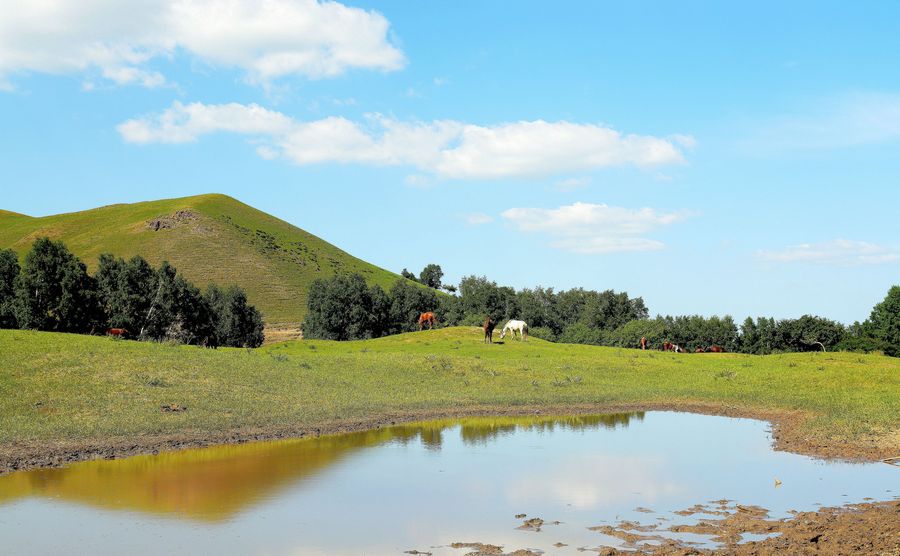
[[488, 327], [643, 343], [426, 317], [699, 350], [717, 349], [117, 332]]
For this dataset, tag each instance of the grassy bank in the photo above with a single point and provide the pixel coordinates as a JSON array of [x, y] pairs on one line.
[[68, 388]]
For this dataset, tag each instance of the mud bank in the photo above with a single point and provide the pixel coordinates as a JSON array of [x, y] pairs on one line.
[[870, 528], [787, 432]]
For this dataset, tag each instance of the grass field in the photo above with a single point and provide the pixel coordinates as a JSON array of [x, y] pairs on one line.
[[58, 387], [214, 239]]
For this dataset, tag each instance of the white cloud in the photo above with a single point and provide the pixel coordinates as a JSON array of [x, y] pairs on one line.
[[592, 228], [592, 482], [478, 218], [842, 252], [184, 123], [445, 148], [267, 39]]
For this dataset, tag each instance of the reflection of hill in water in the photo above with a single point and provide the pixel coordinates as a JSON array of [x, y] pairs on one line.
[[212, 484]]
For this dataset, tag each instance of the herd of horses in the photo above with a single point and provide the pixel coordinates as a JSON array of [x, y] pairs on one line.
[[669, 346], [519, 329]]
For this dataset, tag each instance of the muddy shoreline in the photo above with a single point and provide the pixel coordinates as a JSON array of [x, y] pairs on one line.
[[785, 430], [869, 528]]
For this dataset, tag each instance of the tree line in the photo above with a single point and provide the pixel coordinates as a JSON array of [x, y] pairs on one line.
[[52, 291], [344, 307]]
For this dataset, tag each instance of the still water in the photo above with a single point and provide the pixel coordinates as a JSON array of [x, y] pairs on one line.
[[423, 487]]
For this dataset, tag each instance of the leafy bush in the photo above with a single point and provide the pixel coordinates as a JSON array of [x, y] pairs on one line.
[[542, 332], [9, 272], [472, 320], [580, 333]]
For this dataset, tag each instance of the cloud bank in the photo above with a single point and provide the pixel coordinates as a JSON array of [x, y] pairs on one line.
[[594, 228], [267, 39], [446, 148]]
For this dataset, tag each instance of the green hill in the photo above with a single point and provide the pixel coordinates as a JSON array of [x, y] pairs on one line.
[[209, 238]]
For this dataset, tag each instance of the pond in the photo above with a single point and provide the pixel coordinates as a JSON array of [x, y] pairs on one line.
[[423, 487]]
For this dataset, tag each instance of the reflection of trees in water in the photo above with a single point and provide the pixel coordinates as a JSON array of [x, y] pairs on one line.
[[480, 430], [212, 484], [481, 433], [208, 484]]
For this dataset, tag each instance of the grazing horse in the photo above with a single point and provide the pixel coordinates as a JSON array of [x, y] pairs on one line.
[[489, 325], [426, 317], [117, 332], [699, 350], [717, 349], [643, 343], [518, 328]]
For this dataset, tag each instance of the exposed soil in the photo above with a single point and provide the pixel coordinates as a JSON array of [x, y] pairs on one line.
[[786, 431], [479, 549], [871, 528], [172, 220], [276, 334]]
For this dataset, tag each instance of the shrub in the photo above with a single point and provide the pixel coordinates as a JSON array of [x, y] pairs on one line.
[[9, 272], [579, 333], [542, 332]]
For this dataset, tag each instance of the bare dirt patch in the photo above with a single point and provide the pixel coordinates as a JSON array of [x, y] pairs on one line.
[[276, 334], [173, 220], [871, 528]]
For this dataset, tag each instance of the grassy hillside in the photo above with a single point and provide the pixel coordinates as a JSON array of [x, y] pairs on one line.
[[209, 238], [59, 387]]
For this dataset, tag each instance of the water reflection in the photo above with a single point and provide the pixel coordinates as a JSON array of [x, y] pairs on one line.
[[214, 484]]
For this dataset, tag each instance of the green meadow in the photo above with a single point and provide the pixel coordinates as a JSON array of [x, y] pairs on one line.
[[61, 387]]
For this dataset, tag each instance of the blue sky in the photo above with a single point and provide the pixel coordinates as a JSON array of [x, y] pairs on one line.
[[709, 157]]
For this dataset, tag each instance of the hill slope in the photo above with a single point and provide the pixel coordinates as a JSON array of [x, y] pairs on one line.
[[209, 238]]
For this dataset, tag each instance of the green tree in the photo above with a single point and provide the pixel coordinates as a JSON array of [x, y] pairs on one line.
[[340, 308], [609, 310], [9, 272], [431, 276], [408, 275], [54, 291], [885, 322], [481, 297], [808, 333], [237, 323], [407, 303], [538, 308], [580, 333], [629, 334], [127, 290]]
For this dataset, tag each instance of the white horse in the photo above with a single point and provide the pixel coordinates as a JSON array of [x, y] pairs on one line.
[[515, 327]]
